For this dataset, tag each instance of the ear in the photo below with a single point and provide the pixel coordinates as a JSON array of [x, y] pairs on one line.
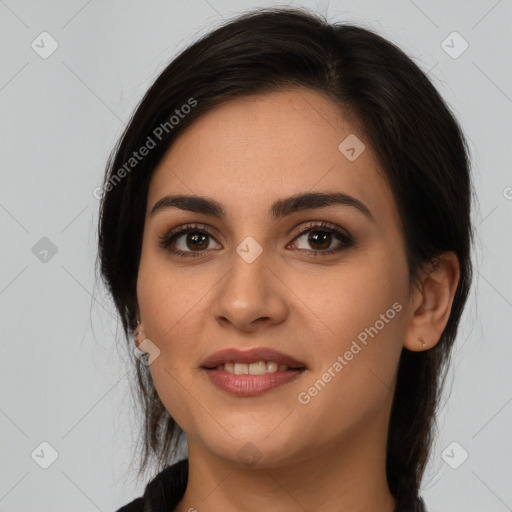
[[431, 303], [139, 328]]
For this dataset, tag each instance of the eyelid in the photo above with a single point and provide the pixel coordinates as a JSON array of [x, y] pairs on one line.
[[320, 224], [173, 233], [345, 238], [183, 228]]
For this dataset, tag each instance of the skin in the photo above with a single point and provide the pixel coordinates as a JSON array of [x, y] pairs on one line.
[[328, 454]]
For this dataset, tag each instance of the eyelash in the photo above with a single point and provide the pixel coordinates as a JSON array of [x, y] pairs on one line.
[[166, 240]]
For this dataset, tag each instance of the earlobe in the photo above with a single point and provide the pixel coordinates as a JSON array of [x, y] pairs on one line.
[[431, 304], [139, 334]]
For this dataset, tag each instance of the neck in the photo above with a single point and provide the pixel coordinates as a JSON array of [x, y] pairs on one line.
[[345, 475]]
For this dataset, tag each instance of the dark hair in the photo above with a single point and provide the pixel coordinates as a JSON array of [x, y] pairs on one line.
[[420, 147]]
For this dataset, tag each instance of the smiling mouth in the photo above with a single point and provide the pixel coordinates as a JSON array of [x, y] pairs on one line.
[[245, 380], [251, 372], [258, 368]]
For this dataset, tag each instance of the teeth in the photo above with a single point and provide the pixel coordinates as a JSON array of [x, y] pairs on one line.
[[271, 366], [258, 368], [241, 368]]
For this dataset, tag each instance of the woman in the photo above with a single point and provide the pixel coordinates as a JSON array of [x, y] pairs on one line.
[[285, 231]]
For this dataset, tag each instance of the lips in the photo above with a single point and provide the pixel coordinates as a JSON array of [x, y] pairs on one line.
[[233, 355]]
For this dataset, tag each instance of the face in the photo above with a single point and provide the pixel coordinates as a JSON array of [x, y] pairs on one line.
[[325, 283]]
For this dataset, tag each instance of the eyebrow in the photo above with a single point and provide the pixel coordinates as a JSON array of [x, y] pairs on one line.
[[281, 208]]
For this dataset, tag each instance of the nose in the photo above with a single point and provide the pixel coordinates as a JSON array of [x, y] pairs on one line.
[[250, 296]]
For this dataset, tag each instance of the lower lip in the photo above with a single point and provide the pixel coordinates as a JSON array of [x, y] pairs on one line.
[[251, 385]]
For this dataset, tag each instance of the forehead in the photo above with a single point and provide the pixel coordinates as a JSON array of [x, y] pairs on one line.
[[254, 150]]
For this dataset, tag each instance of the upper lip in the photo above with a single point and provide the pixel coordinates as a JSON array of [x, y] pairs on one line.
[[250, 356]]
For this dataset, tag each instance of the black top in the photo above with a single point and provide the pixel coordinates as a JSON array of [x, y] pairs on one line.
[[167, 488]]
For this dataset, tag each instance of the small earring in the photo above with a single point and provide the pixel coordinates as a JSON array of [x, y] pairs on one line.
[[422, 341]]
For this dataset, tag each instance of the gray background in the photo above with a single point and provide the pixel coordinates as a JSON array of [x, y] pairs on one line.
[[64, 379]]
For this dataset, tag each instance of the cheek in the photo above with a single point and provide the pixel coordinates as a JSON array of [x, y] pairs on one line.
[[355, 295], [168, 298], [174, 306], [359, 343], [168, 303], [354, 381]]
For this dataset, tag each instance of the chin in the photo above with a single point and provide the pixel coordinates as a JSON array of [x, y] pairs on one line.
[[254, 447]]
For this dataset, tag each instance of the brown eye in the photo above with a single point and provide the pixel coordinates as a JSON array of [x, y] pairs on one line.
[[194, 240], [319, 238], [187, 241]]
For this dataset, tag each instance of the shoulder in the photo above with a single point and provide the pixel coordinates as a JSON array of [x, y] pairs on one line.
[[163, 492]]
